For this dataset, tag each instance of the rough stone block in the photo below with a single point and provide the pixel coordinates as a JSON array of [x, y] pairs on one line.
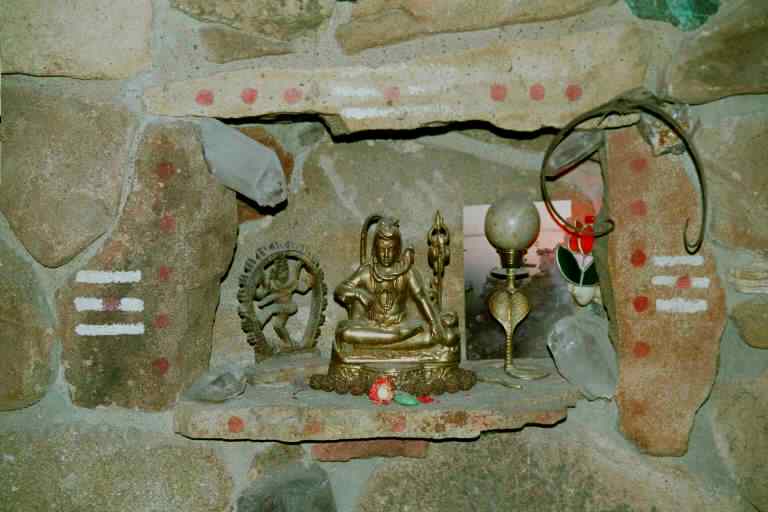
[[83, 39], [136, 320], [725, 58], [74, 469], [343, 451], [667, 306], [383, 22], [736, 171], [522, 86], [555, 470], [292, 489], [223, 44], [275, 458], [751, 319], [26, 331], [60, 190], [739, 419], [278, 19]]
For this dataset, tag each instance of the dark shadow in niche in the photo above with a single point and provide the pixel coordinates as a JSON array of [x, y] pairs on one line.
[[430, 130], [263, 211]]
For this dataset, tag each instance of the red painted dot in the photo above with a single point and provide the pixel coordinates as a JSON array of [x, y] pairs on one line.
[[111, 304], [638, 165], [573, 92], [165, 170], [641, 349], [683, 282], [536, 92], [161, 365], [292, 95], [638, 208], [637, 407], [638, 258], [162, 320], [235, 424], [498, 92], [392, 93], [168, 223], [249, 95], [641, 303], [164, 273], [204, 97]]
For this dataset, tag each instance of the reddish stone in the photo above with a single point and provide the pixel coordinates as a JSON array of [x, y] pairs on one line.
[[498, 92], [640, 303], [161, 365], [313, 427], [641, 349], [292, 95], [111, 303], [204, 97], [683, 282], [162, 321], [657, 396], [393, 422], [235, 424], [573, 92], [168, 223], [165, 170], [392, 93], [164, 273], [249, 95], [638, 208], [638, 258], [638, 165], [343, 451], [536, 92]]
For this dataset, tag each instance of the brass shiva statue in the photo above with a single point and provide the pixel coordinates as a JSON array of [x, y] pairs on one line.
[[380, 337]]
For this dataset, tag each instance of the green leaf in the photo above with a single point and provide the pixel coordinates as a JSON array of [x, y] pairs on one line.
[[567, 264]]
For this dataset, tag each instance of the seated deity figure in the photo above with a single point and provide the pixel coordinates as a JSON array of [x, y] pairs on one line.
[[381, 336]]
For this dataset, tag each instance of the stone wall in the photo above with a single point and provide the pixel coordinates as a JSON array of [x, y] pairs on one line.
[[120, 249]]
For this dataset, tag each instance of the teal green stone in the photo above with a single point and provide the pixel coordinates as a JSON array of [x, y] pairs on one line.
[[403, 398], [684, 14]]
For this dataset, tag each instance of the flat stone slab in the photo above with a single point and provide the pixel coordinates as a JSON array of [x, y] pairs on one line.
[[282, 412], [521, 86]]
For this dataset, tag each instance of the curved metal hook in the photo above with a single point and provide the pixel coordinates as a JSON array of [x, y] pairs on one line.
[[636, 100]]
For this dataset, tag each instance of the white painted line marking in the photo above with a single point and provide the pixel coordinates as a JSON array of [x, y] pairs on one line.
[[97, 304], [131, 304], [355, 92], [670, 261], [696, 282], [681, 305], [88, 304], [106, 277], [109, 329]]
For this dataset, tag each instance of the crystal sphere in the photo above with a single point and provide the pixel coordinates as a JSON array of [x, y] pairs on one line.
[[512, 223]]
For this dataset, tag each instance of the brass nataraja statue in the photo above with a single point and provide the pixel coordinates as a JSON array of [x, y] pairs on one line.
[[421, 355]]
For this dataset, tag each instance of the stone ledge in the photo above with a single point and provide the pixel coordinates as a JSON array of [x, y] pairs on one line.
[[278, 412]]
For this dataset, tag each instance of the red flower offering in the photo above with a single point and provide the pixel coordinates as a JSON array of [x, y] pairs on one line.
[[382, 391], [425, 399]]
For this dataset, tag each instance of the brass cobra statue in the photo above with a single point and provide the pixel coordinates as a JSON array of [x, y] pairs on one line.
[[379, 337]]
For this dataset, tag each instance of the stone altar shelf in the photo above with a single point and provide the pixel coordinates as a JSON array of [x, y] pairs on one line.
[[278, 412]]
